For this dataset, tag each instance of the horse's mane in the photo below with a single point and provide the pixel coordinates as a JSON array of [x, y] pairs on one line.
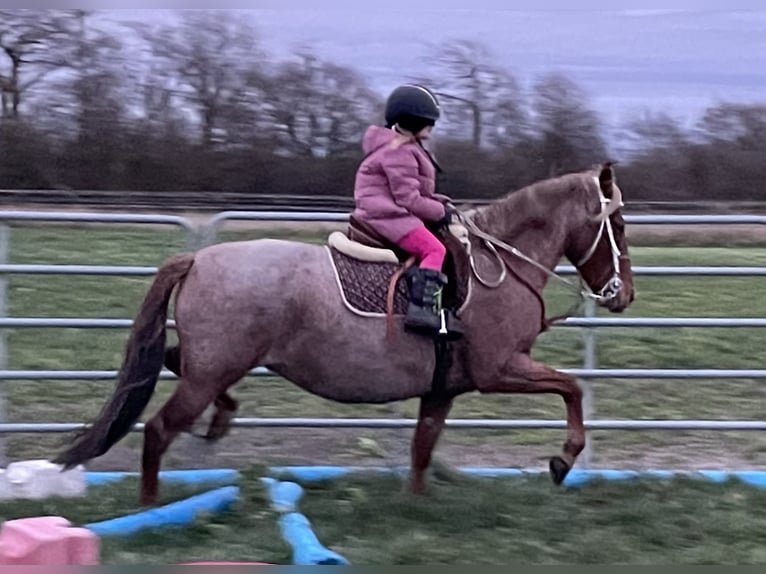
[[531, 207]]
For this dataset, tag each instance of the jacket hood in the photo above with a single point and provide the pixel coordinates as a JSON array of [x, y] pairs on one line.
[[375, 137]]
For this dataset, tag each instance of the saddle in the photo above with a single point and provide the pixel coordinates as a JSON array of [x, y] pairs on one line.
[[369, 269]]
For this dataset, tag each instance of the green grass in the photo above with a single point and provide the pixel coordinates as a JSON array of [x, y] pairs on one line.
[[370, 519], [77, 296], [504, 521]]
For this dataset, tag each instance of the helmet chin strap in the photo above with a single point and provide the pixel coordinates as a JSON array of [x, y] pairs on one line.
[[400, 130]]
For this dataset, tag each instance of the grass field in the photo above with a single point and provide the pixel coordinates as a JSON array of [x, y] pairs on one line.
[[475, 521], [371, 520]]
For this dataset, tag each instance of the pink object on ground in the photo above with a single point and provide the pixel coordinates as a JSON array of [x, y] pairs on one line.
[[47, 540], [428, 249]]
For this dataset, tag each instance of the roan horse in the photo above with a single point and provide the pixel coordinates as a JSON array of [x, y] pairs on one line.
[[276, 304]]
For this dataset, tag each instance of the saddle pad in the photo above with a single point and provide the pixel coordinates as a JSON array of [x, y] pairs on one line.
[[364, 285]]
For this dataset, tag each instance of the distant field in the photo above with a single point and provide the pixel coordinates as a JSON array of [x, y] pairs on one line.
[[76, 296]]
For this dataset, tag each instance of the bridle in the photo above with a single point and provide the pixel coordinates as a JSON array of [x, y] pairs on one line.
[[612, 287], [608, 292]]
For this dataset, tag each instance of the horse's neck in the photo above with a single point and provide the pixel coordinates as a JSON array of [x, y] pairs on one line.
[[524, 221]]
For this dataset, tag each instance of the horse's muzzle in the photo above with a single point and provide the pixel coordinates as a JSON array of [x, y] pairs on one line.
[[620, 302]]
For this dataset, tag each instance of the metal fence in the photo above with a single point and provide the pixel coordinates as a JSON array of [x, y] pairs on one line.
[[197, 236], [214, 201]]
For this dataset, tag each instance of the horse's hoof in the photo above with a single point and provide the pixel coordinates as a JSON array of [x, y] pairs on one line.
[[215, 434], [559, 469], [416, 488]]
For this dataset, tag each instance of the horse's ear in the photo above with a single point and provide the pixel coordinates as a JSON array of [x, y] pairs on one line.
[[606, 178]]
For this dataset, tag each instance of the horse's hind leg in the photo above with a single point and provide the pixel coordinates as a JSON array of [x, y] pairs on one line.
[[173, 360], [178, 414], [225, 408], [431, 417], [225, 405]]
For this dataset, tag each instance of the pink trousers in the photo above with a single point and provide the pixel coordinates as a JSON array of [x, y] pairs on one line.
[[426, 247]]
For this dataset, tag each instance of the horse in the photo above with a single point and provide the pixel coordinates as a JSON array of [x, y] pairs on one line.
[[276, 304]]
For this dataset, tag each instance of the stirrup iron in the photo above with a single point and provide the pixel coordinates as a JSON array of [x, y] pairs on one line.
[[443, 318]]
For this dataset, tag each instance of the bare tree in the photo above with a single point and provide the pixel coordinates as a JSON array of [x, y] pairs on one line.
[[478, 93], [317, 108], [657, 129], [203, 60], [651, 132], [34, 43], [744, 124], [96, 81], [568, 130], [161, 117], [92, 96]]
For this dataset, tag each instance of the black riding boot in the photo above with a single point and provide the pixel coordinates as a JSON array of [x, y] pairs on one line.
[[424, 310]]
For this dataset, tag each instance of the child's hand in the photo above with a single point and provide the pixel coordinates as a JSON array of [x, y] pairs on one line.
[[450, 212]]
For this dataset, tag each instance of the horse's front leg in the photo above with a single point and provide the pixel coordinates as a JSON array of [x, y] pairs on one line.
[[431, 417], [525, 375]]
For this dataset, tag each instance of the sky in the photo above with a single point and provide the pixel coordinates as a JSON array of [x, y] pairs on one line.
[[672, 61]]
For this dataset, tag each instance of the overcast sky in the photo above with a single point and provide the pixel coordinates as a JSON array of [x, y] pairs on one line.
[[665, 60], [675, 61]]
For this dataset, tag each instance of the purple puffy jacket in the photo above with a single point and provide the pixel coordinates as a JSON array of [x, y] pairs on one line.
[[394, 189]]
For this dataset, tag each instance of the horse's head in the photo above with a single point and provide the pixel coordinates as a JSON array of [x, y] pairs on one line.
[[599, 249]]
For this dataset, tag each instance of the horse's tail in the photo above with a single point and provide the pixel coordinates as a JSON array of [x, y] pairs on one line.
[[140, 370]]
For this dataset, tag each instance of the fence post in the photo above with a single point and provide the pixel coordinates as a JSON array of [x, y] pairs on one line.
[[4, 238], [589, 362]]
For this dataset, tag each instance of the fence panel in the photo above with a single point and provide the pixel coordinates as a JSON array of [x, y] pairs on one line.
[[208, 234], [68, 217]]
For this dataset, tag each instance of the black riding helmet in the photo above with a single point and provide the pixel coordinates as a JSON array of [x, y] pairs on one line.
[[412, 107]]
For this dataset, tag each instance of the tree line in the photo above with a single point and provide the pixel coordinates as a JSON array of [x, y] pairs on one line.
[[197, 104]]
